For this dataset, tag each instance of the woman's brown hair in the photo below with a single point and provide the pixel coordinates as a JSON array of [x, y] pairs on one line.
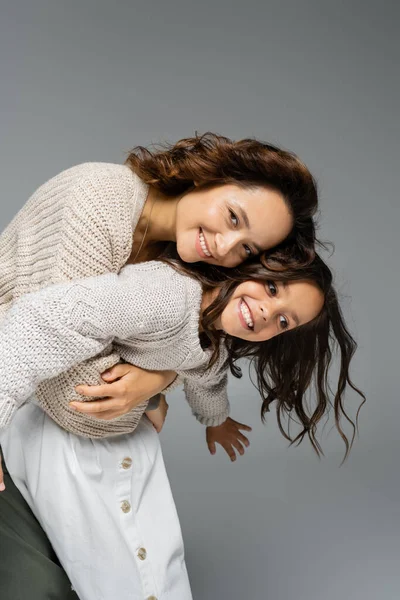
[[287, 365], [211, 160]]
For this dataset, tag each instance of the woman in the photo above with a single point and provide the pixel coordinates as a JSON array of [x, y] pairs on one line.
[[220, 202]]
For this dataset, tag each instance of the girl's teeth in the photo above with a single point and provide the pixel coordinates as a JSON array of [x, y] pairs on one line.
[[246, 314]]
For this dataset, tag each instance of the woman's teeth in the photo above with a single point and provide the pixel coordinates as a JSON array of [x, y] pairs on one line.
[[246, 314], [204, 245]]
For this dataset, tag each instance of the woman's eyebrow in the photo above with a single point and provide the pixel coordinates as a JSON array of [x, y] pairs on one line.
[[245, 219], [244, 216]]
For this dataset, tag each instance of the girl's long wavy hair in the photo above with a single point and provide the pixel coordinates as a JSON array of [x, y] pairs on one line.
[[293, 362], [211, 160]]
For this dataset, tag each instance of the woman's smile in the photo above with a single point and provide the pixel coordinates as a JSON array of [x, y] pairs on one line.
[[226, 224], [202, 247]]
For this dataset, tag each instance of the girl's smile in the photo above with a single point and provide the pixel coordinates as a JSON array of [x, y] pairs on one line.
[[258, 311]]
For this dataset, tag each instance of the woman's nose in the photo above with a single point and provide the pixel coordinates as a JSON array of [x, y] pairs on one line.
[[224, 244]]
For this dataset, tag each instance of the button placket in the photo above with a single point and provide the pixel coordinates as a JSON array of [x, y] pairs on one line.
[[127, 469]]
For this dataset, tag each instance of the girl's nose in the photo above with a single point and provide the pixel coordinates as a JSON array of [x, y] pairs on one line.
[[264, 312]]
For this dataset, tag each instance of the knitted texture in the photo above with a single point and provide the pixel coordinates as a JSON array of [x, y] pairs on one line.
[[78, 224], [150, 310]]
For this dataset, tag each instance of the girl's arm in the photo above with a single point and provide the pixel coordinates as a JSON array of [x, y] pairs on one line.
[[210, 405], [47, 332]]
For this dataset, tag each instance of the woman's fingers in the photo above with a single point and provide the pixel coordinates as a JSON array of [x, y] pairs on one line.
[[2, 486], [103, 390], [116, 372], [94, 406]]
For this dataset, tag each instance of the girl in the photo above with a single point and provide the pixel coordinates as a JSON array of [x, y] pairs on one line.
[[158, 316], [219, 201]]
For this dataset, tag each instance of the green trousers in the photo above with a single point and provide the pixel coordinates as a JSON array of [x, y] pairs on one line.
[[29, 568]]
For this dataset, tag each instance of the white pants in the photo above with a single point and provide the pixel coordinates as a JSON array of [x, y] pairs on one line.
[[106, 506]]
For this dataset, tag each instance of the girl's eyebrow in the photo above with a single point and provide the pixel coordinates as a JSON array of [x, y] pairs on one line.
[[292, 314], [295, 318]]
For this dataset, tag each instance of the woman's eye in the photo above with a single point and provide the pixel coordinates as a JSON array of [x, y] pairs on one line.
[[283, 322], [248, 250], [234, 219], [272, 287]]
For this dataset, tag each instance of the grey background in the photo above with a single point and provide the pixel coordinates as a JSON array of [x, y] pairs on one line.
[[85, 80]]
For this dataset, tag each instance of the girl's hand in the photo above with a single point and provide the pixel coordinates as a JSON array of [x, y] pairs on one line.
[[158, 416], [228, 435], [126, 387]]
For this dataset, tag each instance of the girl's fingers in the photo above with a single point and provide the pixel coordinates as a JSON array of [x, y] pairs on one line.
[[243, 439], [230, 452], [212, 447], [238, 447], [243, 426]]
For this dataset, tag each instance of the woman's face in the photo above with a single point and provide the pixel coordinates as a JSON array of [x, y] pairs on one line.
[[226, 224], [258, 311]]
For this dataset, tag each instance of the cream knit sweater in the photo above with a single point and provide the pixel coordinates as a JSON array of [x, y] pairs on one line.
[[150, 312], [78, 224]]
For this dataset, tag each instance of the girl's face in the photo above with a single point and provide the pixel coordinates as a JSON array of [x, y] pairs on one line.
[[258, 311], [226, 224]]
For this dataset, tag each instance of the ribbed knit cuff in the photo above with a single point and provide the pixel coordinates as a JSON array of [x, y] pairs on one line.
[[7, 409], [212, 421]]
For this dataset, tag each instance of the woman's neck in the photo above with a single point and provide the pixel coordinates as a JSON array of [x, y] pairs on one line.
[[159, 216]]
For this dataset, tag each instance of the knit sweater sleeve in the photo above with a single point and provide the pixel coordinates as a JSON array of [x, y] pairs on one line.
[[208, 399], [47, 332], [206, 390]]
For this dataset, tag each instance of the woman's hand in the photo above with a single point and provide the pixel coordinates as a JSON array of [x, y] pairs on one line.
[[158, 415], [126, 387], [228, 435]]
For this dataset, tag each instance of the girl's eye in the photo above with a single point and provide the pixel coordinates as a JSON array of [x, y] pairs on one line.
[[248, 250], [283, 322], [234, 219], [272, 287]]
